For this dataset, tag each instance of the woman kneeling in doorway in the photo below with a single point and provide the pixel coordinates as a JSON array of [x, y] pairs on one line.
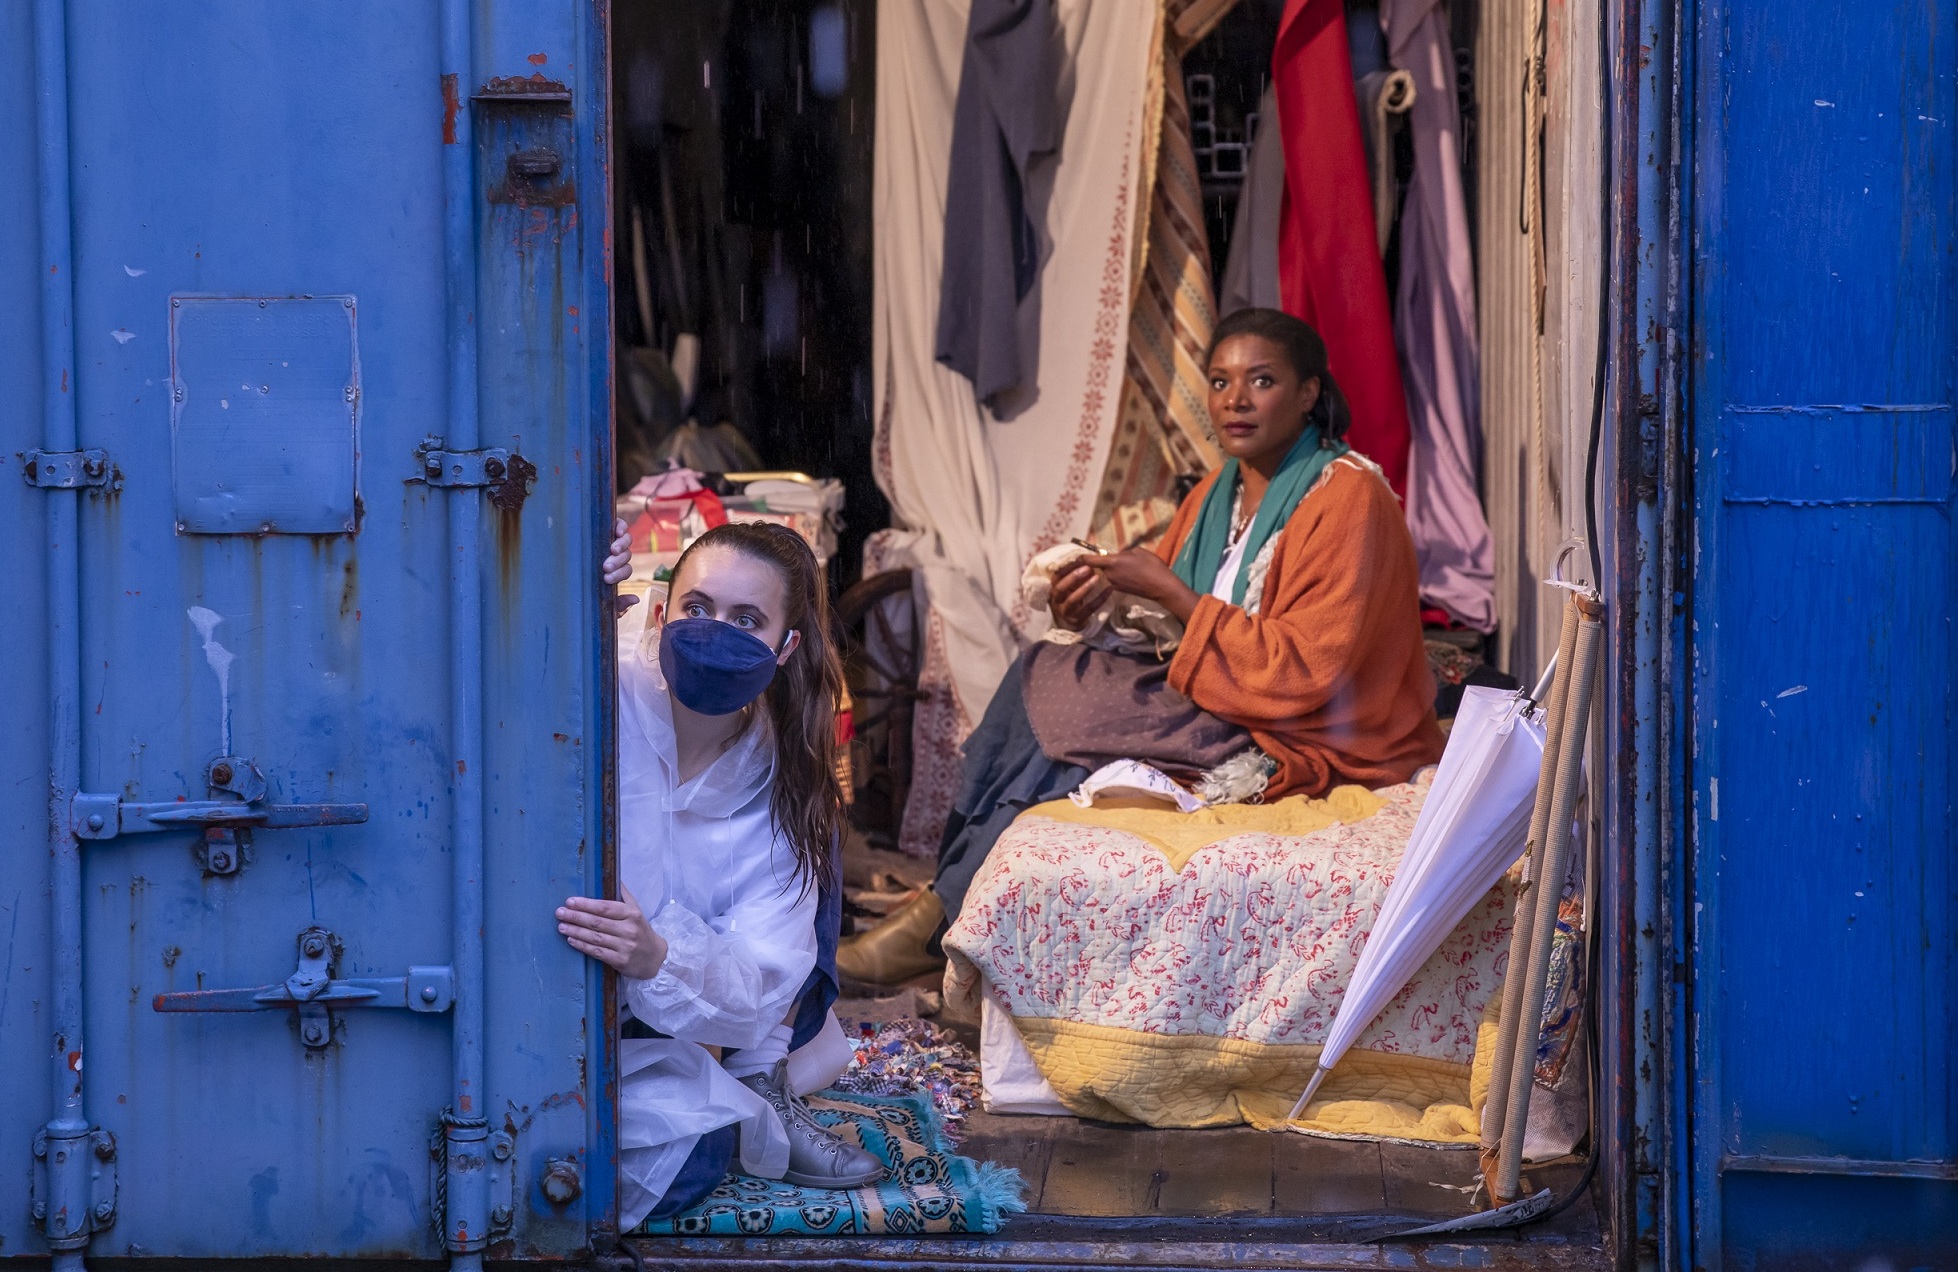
[[1301, 664], [729, 824]]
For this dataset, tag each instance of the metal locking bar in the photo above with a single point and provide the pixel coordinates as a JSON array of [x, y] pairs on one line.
[[227, 823], [312, 990], [111, 816]]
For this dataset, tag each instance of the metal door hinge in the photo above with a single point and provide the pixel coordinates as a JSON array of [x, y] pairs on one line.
[[73, 1190], [507, 476], [461, 1147], [69, 470], [313, 992], [227, 823]]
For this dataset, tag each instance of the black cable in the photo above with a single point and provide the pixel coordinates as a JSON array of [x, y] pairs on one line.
[[1604, 300]]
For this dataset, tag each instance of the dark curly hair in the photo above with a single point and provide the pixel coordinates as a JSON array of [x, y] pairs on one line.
[[1303, 349]]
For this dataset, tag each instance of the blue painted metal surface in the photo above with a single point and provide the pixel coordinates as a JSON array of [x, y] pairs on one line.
[[284, 216], [1822, 934]]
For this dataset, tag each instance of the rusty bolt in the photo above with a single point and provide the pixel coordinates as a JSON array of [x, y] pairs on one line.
[[315, 945], [501, 1216], [561, 1182], [501, 1152], [220, 862], [105, 1149], [94, 466], [493, 467], [220, 773]]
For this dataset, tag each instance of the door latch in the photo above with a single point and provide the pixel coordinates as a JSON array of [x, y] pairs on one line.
[[506, 475], [314, 992], [69, 470], [227, 823]]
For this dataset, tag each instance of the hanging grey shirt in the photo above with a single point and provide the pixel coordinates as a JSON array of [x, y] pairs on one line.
[[1008, 114]]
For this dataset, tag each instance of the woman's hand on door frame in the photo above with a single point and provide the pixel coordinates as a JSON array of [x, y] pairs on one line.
[[615, 933], [616, 568]]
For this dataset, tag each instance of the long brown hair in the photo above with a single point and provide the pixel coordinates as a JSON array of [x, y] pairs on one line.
[[806, 803]]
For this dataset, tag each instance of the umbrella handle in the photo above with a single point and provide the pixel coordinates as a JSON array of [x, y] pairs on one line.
[[1543, 684], [1311, 1088]]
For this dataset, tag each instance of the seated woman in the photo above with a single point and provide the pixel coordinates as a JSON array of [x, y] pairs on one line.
[[1301, 661]]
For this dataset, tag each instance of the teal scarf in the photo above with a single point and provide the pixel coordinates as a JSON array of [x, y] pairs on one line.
[[1203, 552]]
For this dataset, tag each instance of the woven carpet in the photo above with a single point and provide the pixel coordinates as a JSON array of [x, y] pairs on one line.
[[927, 1188]]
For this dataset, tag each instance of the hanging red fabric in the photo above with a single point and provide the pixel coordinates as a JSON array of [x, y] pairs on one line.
[[1329, 269]]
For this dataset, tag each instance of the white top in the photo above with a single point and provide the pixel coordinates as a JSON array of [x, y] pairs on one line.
[[719, 884], [1227, 572]]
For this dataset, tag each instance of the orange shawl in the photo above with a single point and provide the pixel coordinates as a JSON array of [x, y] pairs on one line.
[[1329, 676]]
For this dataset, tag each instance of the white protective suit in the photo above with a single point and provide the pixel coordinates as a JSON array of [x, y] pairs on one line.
[[720, 885]]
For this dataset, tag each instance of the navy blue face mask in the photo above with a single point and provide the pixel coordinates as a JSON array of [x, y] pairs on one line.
[[715, 668]]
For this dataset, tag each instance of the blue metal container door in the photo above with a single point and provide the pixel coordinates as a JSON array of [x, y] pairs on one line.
[[1825, 372], [339, 324]]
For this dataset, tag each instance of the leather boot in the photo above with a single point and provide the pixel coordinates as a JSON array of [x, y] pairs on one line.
[[817, 1159], [896, 950]]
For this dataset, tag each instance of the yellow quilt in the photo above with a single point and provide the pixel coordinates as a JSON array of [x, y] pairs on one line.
[[1180, 970]]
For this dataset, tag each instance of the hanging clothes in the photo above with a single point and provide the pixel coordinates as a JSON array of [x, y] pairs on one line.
[[1163, 431], [1328, 265], [1435, 324], [1385, 97], [974, 496], [1008, 115], [1251, 272]]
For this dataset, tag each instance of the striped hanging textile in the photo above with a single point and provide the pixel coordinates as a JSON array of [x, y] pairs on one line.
[[1162, 429]]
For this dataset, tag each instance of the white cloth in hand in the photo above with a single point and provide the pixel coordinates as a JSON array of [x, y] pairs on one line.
[[1123, 624]]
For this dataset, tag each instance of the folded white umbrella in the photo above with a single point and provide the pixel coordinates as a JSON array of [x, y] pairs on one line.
[[1472, 828]]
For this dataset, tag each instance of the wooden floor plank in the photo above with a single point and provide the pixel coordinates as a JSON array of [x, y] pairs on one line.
[[1024, 1143], [1226, 1171], [1093, 1169], [1430, 1181], [1314, 1176]]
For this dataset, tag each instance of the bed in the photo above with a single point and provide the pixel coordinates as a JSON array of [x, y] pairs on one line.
[[1135, 964]]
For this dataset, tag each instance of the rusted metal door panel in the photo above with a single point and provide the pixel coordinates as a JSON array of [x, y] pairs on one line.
[[292, 792], [1824, 925]]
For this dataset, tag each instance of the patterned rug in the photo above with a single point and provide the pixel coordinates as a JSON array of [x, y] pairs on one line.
[[903, 1057], [928, 1188]]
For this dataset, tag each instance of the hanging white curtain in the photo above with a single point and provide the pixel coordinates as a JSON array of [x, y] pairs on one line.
[[974, 496]]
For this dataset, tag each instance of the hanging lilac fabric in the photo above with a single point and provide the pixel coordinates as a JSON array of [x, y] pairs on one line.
[[1434, 325]]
